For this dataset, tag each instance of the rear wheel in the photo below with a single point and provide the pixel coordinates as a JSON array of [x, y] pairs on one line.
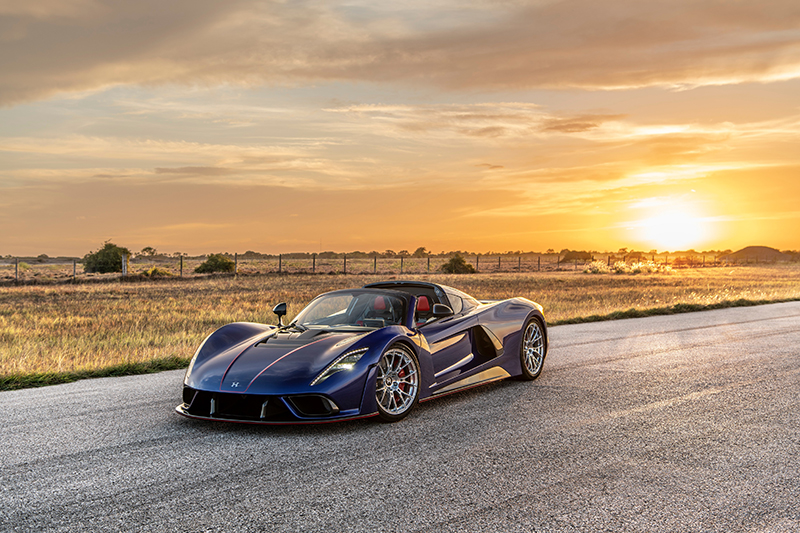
[[397, 384], [532, 349]]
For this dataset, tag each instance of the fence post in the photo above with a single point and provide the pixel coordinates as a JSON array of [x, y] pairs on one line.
[[74, 268], [498, 263], [313, 263], [539, 263], [181, 266], [519, 263], [16, 269], [375, 265], [429, 264], [477, 262], [401, 264], [235, 264], [124, 265], [280, 262], [345, 264], [576, 264]]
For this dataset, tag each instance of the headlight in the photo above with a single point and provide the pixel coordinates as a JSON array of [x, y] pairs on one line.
[[344, 362]]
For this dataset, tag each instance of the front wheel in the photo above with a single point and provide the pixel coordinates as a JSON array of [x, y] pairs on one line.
[[532, 349], [397, 384]]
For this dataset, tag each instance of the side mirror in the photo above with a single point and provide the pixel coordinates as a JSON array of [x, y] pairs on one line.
[[441, 311], [280, 310]]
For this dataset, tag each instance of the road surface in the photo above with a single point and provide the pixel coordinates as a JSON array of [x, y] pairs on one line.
[[674, 423]]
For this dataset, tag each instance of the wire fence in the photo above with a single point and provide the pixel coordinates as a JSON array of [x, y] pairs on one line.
[[46, 270]]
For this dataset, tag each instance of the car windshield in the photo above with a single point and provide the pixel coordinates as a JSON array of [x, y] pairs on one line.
[[353, 309]]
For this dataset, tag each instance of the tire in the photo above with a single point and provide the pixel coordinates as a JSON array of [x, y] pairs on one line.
[[397, 383], [532, 349]]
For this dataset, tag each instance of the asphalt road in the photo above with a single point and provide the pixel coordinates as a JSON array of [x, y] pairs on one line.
[[679, 423]]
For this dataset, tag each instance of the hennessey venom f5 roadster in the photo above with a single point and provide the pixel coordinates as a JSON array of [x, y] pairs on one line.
[[372, 351]]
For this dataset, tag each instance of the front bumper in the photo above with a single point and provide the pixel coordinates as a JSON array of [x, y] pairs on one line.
[[263, 409]]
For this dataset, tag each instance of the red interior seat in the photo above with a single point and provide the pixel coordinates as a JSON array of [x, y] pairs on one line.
[[423, 304], [423, 310]]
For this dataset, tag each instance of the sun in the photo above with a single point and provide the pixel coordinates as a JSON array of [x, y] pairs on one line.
[[672, 231], [671, 225]]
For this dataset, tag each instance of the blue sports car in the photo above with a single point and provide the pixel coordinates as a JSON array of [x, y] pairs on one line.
[[372, 351]]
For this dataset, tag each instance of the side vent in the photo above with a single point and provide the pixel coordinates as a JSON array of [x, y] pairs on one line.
[[487, 346]]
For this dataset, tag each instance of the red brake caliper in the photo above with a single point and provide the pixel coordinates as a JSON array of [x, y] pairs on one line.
[[402, 386]]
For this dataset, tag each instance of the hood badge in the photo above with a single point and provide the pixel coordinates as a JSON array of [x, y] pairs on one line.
[[235, 384]]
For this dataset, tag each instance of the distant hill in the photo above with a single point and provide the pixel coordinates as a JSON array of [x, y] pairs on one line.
[[756, 253]]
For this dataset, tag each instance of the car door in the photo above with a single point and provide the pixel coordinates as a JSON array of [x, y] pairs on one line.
[[450, 343]]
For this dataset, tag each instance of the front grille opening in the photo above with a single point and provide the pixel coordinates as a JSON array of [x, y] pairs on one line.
[[313, 405], [236, 406], [246, 406]]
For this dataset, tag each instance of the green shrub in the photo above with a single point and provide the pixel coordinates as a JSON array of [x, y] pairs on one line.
[[457, 265], [215, 263], [155, 272], [106, 259]]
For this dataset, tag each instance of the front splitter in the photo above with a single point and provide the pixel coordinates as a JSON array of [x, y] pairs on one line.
[[180, 409]]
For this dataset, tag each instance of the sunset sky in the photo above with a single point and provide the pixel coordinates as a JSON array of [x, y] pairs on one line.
[[205, 126]]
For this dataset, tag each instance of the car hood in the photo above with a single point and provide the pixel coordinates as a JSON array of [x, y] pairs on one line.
[[273, 363]]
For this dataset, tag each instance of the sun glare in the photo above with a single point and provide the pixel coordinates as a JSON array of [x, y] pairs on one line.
[[668, 232], [670, 224]]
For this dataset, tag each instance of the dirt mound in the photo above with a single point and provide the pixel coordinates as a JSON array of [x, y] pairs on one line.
[[757, 254]]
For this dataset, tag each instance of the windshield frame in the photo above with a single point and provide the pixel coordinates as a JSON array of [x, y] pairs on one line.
[[404, 300]]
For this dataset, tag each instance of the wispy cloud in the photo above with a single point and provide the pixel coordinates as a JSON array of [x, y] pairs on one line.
[[578, 124], [197, 171], [494, 120]]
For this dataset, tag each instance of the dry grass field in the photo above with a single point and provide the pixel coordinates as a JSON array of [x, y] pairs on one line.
[[57, 332]]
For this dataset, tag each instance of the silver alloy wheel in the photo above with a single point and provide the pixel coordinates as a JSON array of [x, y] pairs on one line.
[[398, 382], [533, 348]]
